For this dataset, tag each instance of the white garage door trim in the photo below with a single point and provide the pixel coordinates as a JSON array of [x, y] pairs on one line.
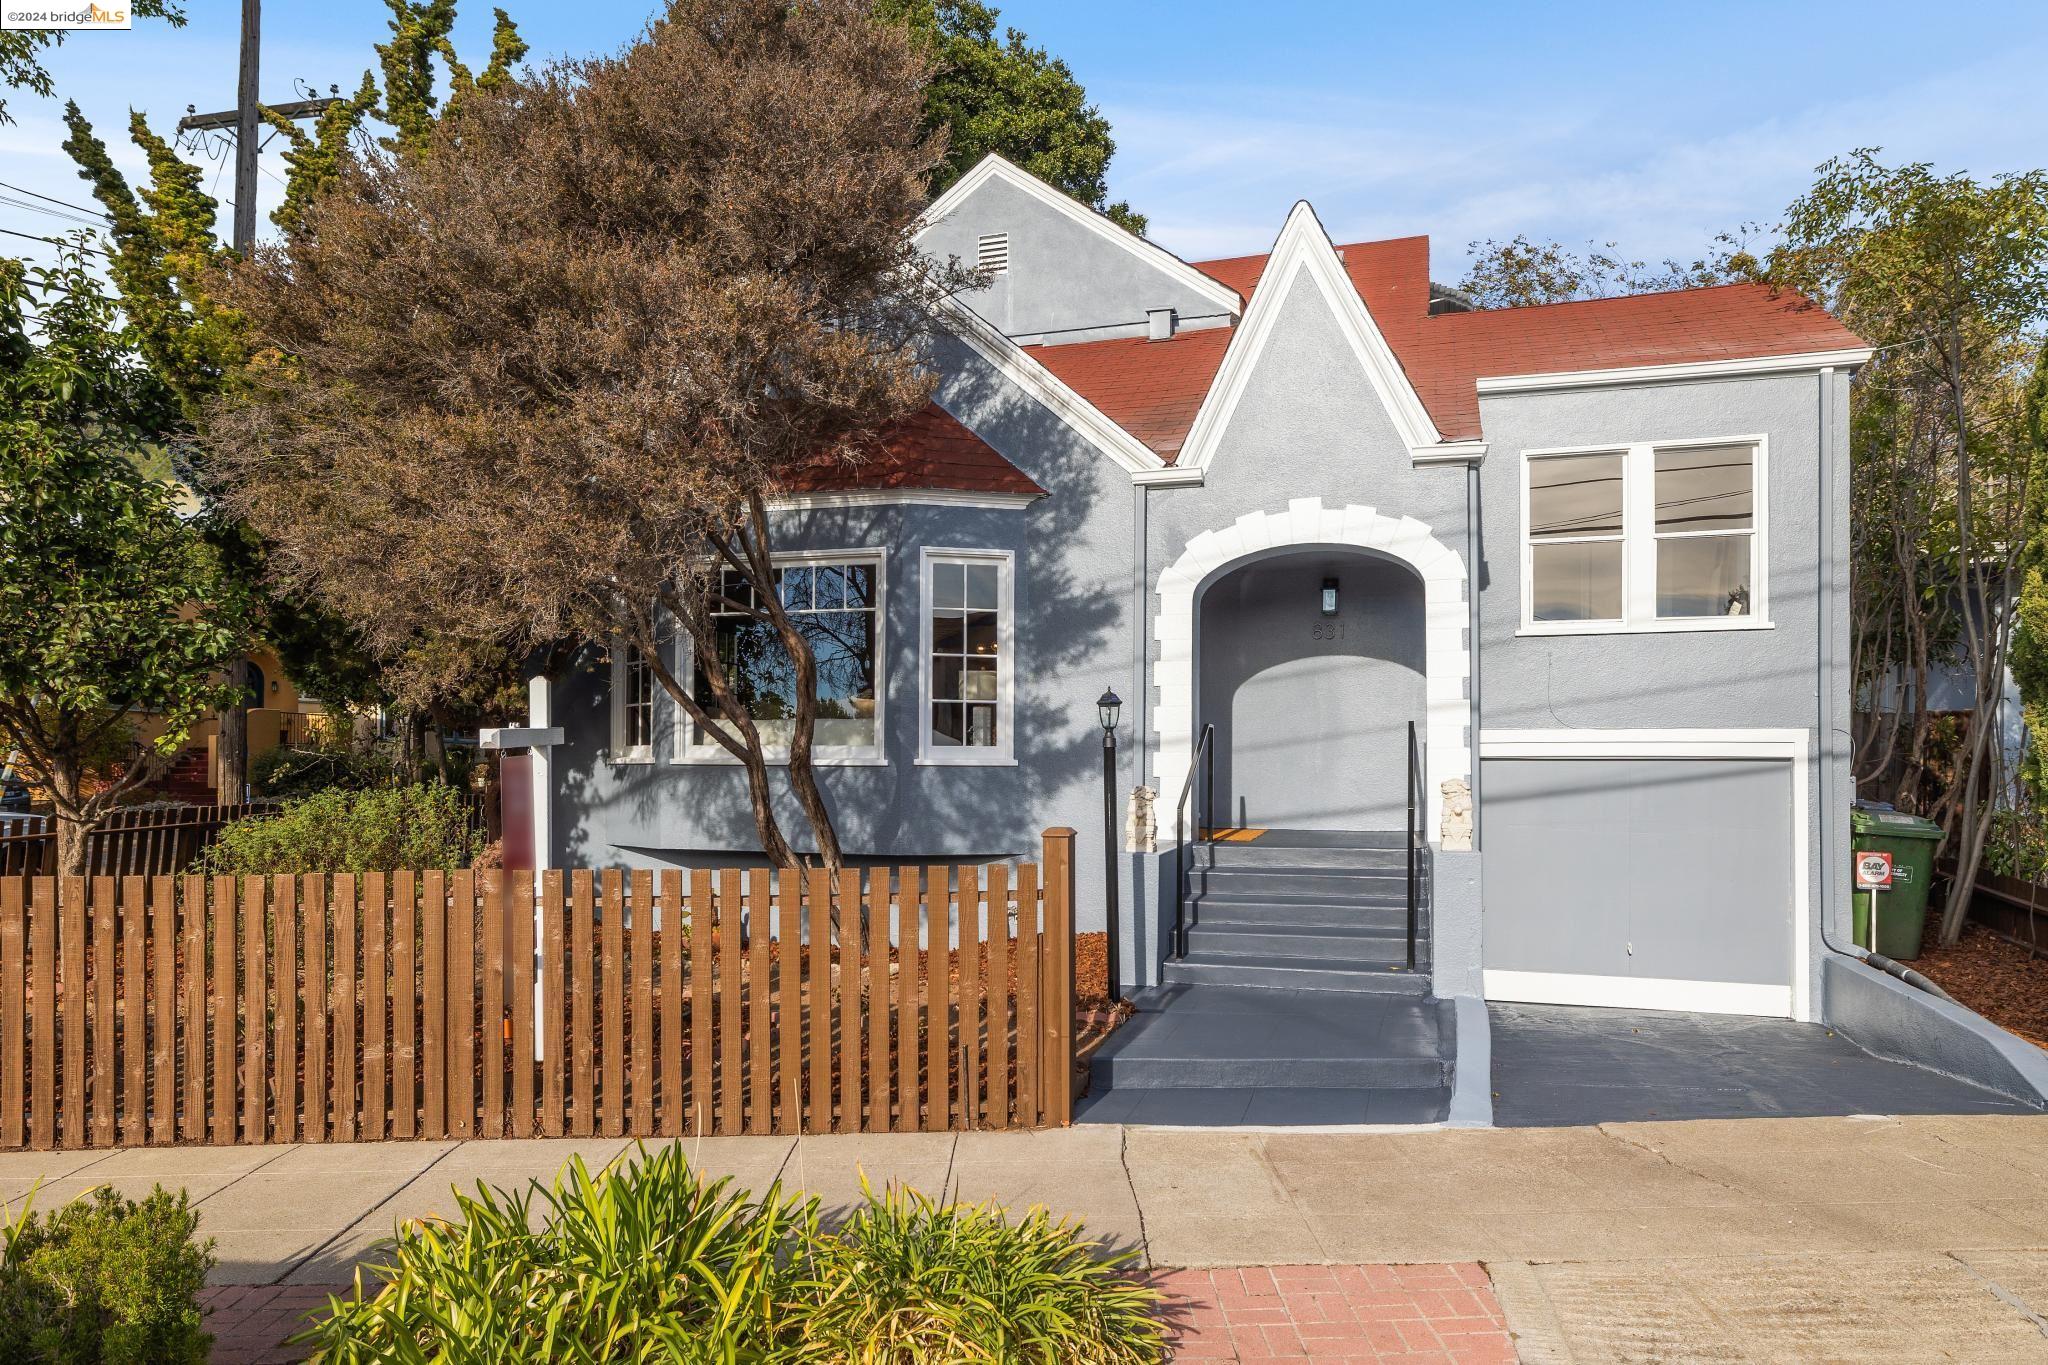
[[1719, 997]]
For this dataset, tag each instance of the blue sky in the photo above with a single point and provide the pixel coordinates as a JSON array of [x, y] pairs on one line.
[[1651, 125]]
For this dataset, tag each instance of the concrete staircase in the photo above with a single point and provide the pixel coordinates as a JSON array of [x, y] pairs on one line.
[[1294, 1004], [1312, 910]]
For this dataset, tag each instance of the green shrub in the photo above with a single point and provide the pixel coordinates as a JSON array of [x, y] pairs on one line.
[[105, 1279], [648, 1261], [908, 1279], [290, 770], [345, 831]]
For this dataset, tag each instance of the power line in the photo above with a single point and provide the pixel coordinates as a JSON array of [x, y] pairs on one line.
[[18, 189], [28, 206], [55, 241]]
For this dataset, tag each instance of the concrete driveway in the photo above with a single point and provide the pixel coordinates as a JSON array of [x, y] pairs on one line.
[[1556, 1065]]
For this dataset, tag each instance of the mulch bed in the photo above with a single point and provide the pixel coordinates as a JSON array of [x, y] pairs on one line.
[[2001, 980]]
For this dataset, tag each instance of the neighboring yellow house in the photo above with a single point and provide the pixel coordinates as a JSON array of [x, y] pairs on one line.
[[278, 714]]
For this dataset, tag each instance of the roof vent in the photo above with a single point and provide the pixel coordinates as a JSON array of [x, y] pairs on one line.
[[992, 252], [1159, 323]]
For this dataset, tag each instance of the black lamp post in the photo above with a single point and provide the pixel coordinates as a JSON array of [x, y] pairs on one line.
[[1107, 706]]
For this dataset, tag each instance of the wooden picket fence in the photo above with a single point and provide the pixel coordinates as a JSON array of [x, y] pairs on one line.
[[488, 1004], [133, 841]]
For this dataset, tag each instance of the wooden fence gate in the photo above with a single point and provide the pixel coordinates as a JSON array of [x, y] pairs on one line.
[[486, 1004]]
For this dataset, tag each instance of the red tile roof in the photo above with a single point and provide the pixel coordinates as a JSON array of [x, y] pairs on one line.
[[928, 449], [1154, 388]]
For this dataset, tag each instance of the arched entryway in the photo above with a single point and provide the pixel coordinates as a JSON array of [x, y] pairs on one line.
[[1311, 669], [1307, 526]]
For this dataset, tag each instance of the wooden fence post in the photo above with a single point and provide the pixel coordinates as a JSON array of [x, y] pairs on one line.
[[1056, 954]]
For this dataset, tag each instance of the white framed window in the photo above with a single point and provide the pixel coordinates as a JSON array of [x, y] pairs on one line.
[[1662, 536], [967, 649], [835, 598], [632, 705]]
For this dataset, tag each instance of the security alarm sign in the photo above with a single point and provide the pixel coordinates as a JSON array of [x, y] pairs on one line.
[[1873, 871]]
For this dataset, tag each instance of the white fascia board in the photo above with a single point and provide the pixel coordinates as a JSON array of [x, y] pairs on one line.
[[1015, 365], [902, 497], [993, 167], [1169, 476], [1449, 452], [1304, 250], [1668, 374]]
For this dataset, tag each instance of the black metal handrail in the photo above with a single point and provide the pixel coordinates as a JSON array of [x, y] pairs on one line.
[[1204, 761], [1416, 835]]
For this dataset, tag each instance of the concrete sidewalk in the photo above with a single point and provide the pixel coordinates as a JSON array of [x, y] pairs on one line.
[[1885, 1238]]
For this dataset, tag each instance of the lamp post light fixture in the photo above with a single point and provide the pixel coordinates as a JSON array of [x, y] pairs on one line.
[[1107, 708]]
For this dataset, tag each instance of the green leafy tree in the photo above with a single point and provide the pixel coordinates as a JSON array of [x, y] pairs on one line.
[[1519, 272], [1946, 274], [110, 602], [2030, 632], [1002, 95], [21, 51]]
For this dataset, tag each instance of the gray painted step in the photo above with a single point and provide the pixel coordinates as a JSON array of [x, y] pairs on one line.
[[1332, 883], [1308, 974], [1259, 855], [1213, 908], [1365, 944], [1271, 1107], [1419, 1072]]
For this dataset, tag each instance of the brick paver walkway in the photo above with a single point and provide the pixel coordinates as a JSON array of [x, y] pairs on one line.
[[1355, 1314], [1333, 1315], [250, 1323]]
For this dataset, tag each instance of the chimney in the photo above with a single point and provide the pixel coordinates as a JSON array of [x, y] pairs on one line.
[[1159, 323]]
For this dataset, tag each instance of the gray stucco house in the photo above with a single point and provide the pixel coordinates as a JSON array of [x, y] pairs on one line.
[[1594, 553]]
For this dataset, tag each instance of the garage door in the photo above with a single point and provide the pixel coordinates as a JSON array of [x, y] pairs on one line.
[[1647, 882]]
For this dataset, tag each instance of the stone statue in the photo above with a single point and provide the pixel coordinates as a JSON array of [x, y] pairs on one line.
[[1457, 824], [1141, 822]]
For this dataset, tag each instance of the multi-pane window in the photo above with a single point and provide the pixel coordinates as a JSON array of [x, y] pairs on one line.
[[1646, 537], [835, 604], [632, 704], [969, 671]]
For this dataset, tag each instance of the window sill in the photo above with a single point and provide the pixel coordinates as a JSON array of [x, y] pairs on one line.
[[719, 758], [1695, 626], [629, 759], [992, 761]]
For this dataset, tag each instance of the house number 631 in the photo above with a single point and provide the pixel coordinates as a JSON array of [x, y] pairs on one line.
[[1327, 630]]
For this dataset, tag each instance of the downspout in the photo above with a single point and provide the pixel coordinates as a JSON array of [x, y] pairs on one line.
[[1830, 813], [1472, 636]]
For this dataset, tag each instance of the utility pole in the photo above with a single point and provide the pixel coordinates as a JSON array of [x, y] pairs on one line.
[[231, 745]]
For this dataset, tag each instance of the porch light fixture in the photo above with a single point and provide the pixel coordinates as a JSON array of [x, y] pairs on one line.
[[1329, 597], [1108, 705]]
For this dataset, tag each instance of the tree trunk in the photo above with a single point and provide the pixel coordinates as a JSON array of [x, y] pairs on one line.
[[231, 747], [803, 777]]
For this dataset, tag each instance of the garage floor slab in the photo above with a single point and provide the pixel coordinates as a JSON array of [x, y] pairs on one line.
[[1561, 1065]]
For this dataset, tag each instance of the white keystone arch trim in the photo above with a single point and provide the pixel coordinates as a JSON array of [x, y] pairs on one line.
[[1447, 658]]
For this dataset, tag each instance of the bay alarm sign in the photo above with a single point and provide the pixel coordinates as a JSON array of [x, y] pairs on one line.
[[1873, 871]]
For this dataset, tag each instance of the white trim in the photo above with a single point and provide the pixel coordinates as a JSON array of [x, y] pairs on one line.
[[1450, 452], [1638, 992], [993, 167], [1017, 366], [1172, 476], [902, 497], [1003, 752], [540, 761], [1669, 374], [518, 737], [1447, 655], [876, 755], [1792, 746], [1638, 541], [1303, 249], [618, 751]]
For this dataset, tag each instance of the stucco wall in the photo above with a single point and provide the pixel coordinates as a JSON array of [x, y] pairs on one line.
[[1065, 282]]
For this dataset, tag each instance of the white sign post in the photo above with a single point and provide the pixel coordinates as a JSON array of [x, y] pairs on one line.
[[1873, 874]]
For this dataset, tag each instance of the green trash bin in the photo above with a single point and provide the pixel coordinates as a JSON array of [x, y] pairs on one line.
[[1901, 910]]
